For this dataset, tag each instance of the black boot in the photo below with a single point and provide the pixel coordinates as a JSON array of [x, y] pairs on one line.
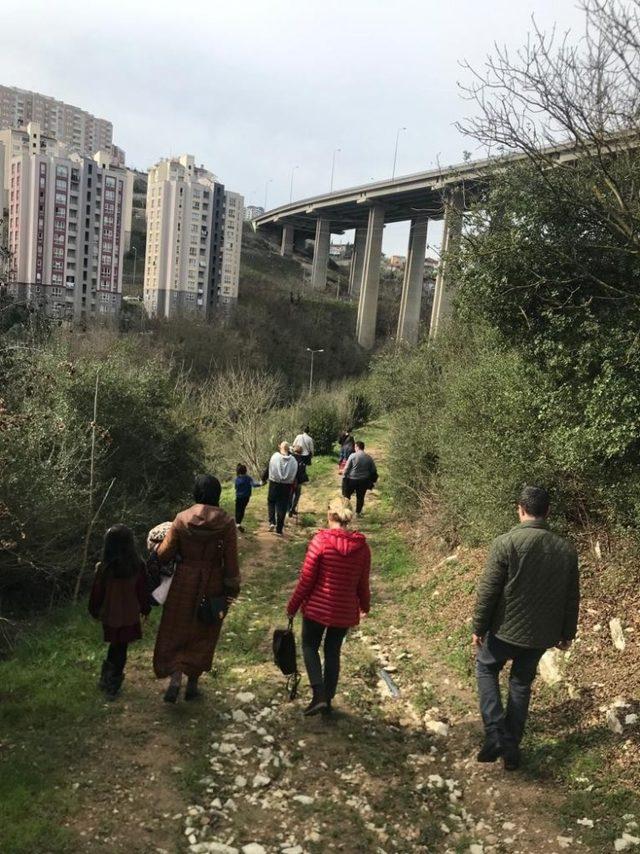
[[489, 751], [105, 675], [191, 691], [114, 684], [318, 701], [327, 712], [511, 757]]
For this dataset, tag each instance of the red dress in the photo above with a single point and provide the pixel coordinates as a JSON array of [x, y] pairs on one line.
[[333, 588]]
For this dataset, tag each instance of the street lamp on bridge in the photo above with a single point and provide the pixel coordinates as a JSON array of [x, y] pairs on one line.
[[395, 153], [313, 352], [266, 191], [333, 166], [291, 184]]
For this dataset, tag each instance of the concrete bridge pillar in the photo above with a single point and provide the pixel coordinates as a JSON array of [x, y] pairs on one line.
[[286, 245], [321, 255], [357, 262], [368, 304], [443, 294], [409, 318]]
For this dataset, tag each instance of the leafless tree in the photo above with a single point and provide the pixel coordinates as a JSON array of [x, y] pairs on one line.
[[560, 99], [241, 402]]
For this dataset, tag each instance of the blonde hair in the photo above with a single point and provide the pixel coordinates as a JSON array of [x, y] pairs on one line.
[[340, 510], [284, 448]]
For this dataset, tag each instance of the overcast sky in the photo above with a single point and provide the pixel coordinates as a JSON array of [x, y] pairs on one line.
[[254, 88]]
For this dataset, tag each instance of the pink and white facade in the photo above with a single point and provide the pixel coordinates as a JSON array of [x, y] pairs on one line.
[[66, 233]]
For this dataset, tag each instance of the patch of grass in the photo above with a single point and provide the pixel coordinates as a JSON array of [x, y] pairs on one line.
[[48, 693]]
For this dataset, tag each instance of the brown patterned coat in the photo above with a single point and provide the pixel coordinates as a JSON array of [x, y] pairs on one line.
[[206, 540]]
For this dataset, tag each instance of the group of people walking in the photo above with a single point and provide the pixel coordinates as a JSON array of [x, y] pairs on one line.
[[527, 599]]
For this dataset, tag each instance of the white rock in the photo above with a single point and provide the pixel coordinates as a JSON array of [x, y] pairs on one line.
[[259, 781], [437, 727], [565, 841], [212, 848], [239, 716], [617, 634], [303, 799], [585, 822], [294, 849], [549, 667], [631, 719], [612, 722], [240, 782], [476, 848], [245, 697], [253, 848], [625, 842]]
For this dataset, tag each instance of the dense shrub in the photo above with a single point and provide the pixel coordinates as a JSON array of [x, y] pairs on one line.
[[321, 413], [146, 453]]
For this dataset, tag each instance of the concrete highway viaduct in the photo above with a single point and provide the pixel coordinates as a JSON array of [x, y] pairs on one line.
[[418, 198]]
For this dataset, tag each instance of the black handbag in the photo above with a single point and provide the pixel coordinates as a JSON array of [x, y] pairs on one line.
[[286, 659], [212, 609]]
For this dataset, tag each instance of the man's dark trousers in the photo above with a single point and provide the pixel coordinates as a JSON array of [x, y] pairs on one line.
[[360, 488], [278, 503], [500, 728]]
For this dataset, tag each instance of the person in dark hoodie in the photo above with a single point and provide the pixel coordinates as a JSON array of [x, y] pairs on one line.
[[332, 591], [205, 538]]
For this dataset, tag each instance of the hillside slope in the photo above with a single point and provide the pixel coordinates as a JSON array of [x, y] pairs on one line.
[[243, 767]]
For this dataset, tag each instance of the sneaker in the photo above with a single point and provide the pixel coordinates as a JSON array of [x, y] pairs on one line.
[[511, 758], [317, 704], [272, 527], [240, 528], [489, 751]]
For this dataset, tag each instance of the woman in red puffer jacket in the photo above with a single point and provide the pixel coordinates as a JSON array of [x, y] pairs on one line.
[[333, 589]]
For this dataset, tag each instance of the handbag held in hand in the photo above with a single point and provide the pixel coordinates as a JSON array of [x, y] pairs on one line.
[[285, 658]]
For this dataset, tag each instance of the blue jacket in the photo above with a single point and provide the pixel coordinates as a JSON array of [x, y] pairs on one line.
[[244, 484]]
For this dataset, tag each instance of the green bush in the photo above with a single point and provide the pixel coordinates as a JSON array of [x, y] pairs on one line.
[[321, 414], [146, 454]]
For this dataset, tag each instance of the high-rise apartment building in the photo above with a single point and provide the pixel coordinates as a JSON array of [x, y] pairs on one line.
[[66, 231], [232, 247], [186, 239], [252, 211], [78, 130]]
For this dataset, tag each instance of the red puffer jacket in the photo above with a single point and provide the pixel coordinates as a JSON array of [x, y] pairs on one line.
[[333, 587]]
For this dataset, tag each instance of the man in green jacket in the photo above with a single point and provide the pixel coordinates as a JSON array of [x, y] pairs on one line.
[[527, 602]]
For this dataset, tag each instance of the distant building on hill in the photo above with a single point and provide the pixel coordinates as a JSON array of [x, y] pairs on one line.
[[397, 262], [252, 211], [339, 250], [77, 129], [193, 240], [65, 230]]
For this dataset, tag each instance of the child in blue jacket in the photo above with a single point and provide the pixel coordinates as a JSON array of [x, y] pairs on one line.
[[244, 484]]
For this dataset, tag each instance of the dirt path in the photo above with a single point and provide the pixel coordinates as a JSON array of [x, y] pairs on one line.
[[244, 771]]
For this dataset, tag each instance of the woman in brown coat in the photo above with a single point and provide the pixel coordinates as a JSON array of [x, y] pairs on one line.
[[204, 537]]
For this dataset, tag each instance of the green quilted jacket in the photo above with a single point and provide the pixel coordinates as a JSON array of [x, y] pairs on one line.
[[529, 593]]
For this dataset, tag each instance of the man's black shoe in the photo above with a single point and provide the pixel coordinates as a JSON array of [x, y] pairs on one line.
[[489, 752], [511, 758]]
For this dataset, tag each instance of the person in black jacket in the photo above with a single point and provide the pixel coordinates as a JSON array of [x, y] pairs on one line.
[[360, 474], [302, 477]]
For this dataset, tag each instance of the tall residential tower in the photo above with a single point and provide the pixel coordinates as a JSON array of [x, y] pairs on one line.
[[78, 130], [66, 232], [189, 255]]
